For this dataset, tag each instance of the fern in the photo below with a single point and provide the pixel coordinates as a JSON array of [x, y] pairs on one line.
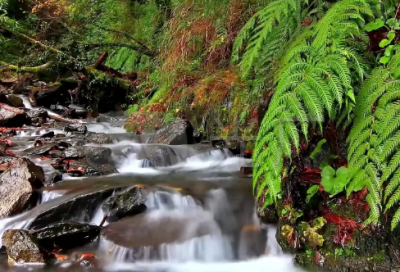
[[278, 18], [374, 141], [314, 81]]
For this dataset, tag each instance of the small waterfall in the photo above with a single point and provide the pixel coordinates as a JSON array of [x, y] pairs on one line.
[[273, 248], [47, 196], [200, 238], [98, 217], [26, 102], [28, 105]]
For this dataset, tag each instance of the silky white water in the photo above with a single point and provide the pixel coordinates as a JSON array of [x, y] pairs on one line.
[[207, 226]]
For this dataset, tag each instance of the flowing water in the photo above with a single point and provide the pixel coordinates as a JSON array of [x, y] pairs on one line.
[[200, 212]]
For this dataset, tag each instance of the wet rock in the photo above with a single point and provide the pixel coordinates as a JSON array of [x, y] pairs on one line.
[[12, 117], [41, 150], [105, 119], [234, 146], [218, 143], [52, 178], [86, 167], [246, 170], [35, 113], [76, 129], [176, 133], [56, 154], [15, 101], [49, 134], [77, 111], [197, 136], [158, 156], [80, 208], [99, 138], [58, 108], [66, 235], [17, 186], [125, 203], [95, 153], [22, 248]]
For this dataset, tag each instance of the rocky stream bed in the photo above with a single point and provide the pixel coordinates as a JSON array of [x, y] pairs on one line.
[[78, 194]]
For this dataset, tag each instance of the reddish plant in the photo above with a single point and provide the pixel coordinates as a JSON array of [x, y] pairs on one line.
[[345, 228]]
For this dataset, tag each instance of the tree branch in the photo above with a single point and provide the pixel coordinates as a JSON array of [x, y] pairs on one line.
[[37, 43], [24, 69], [142, 47]]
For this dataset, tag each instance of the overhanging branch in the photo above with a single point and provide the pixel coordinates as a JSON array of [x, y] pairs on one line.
[[142, 48]]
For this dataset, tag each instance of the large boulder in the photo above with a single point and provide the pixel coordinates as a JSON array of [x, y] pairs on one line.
[[128, 202], [12, 117], [176, 133], [22, 248], [95, 153], [66, 235], [17, 186], [79, 208]]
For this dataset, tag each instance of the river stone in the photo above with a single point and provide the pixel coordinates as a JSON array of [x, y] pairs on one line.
[[49, 134], [77, 111], [76, 129], [176, 133], [158, 156], [40, 150], [86, 167], [56, 154], [98, 138], [79, 208], [12, 117], [15, 101], [126, 203], [53, 177], [66, 235], [35, 113], [22, 247], [95, 153], [17, 186]]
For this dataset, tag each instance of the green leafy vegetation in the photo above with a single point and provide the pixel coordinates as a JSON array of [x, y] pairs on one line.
[[333, 181], [330, 70]]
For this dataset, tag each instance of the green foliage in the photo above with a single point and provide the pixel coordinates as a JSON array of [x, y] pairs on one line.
[[374, 142], [315, 81], [310, 234], [261, 30], [334, 182], [311, 192], [317, 149]]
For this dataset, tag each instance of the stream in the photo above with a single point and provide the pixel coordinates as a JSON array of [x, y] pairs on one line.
[[200, 212]]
